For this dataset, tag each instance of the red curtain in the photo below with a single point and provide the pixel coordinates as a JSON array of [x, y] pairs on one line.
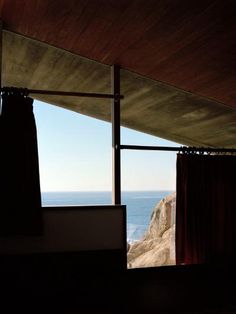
[[205, 209], [20, 197]]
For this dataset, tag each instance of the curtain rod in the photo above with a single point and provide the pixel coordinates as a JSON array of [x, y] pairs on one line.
[[26, 92], [180, 149]]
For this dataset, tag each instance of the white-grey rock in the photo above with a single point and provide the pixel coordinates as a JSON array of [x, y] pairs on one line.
[[157, 247]]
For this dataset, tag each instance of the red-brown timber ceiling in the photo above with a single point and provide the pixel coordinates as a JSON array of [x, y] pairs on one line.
[[190, 44]]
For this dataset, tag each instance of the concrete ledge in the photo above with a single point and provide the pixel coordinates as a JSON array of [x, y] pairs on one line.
[[73, 229]]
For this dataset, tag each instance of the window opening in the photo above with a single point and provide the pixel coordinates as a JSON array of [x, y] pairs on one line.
[[148, 190], [74, 157]]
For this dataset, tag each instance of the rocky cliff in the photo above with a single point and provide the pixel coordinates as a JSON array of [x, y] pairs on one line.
[[157, 247]]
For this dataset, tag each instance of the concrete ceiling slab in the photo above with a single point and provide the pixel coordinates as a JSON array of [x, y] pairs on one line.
[[149, 106]]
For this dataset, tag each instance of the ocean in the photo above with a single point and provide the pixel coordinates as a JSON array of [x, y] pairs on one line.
[[139, 204]]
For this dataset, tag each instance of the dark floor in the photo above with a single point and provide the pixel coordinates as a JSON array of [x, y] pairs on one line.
[[71, 283]]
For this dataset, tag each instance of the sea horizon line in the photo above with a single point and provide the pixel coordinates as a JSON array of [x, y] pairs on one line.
[[107, 191]]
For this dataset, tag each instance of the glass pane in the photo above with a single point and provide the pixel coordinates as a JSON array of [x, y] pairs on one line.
[[74, 157], [148, 190]]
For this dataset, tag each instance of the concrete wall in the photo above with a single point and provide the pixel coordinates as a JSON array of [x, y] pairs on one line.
[[73, 229]]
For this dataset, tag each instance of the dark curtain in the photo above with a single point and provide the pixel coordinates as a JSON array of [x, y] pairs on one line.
[[20, 197], [205, 209]]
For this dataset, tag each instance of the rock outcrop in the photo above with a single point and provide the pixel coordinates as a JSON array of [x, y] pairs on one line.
[[157, 247]]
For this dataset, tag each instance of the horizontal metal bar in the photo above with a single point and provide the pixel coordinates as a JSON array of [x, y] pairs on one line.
[[139, 147], [77, 94], [179, 149], [61, 93]]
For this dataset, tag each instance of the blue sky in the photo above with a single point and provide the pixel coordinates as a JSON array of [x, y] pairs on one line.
[[75, 154]]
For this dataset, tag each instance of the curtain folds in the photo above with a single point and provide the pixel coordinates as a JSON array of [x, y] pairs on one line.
[[205, 209], [20, 197]]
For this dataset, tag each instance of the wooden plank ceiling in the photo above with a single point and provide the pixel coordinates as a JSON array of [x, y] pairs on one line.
[[183, 53]]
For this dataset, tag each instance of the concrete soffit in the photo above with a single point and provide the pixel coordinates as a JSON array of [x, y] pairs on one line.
[[149, 106]]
